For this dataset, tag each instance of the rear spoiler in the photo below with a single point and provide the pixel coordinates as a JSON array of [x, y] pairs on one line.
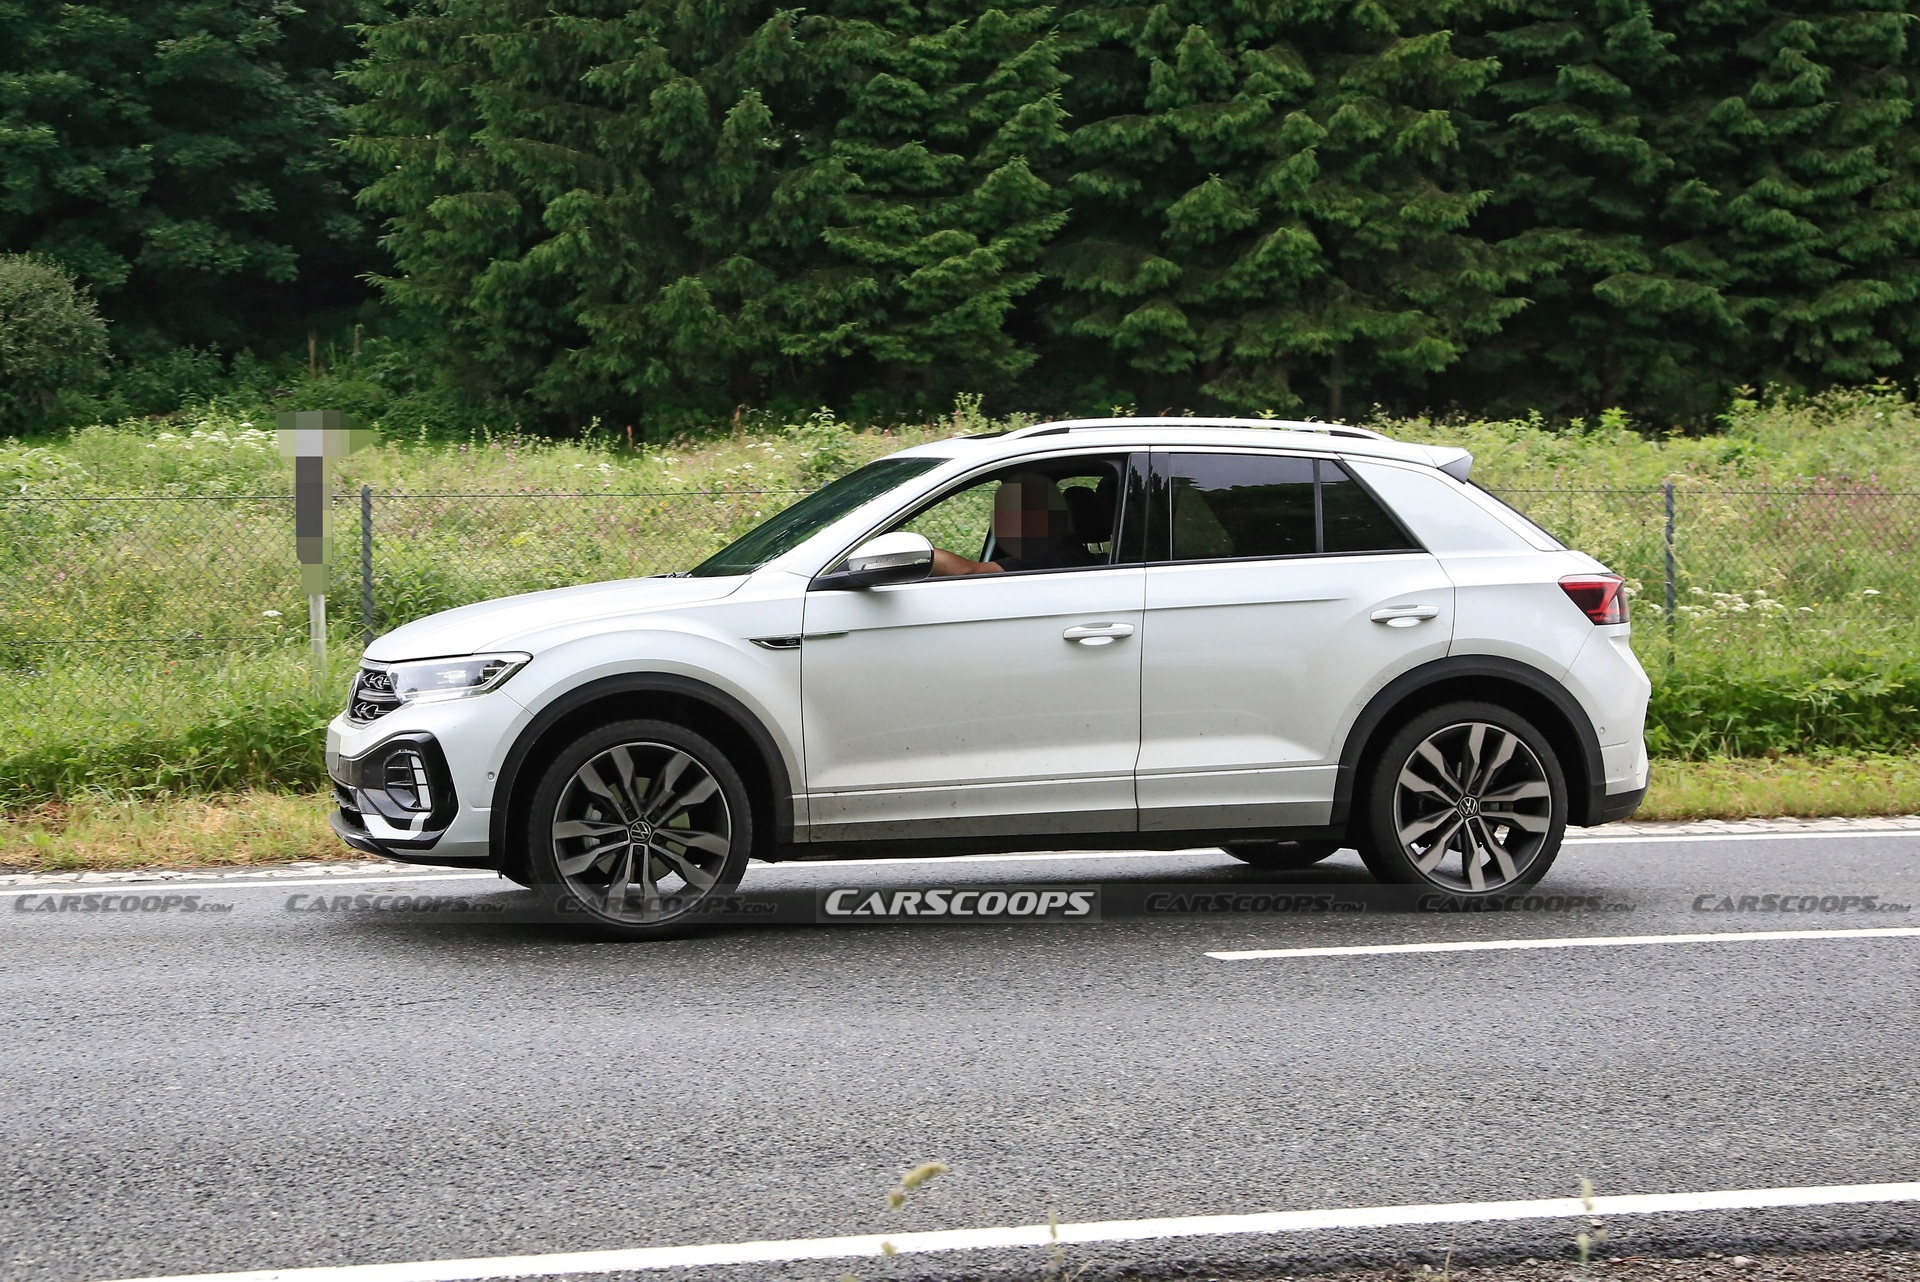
[[1455, 462]]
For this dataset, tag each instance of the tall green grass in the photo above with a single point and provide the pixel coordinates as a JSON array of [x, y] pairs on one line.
[[150, 724]]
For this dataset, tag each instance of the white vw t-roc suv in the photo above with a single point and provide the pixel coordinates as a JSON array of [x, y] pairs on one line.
[[1276, 638]]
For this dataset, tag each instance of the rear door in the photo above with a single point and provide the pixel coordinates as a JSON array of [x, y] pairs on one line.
[[1280, 597]]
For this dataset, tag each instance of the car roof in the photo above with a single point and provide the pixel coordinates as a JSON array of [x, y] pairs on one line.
[[1147, 432]]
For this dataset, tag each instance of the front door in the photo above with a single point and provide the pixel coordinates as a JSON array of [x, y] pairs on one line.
[[1285, 597], [981, 704]]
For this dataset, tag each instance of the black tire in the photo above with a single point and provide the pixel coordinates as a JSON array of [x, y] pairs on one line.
[[1281, 856], [633, 787], [1468, 799]]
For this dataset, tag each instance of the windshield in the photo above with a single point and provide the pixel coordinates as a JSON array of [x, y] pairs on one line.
[[789, 529]]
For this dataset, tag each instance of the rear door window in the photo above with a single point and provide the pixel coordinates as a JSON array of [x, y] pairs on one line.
[[1266, 505]]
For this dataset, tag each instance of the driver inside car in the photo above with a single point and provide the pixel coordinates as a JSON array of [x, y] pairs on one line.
[[1031, 531]]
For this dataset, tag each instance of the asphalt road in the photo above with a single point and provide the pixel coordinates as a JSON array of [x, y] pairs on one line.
[[246, 1087]]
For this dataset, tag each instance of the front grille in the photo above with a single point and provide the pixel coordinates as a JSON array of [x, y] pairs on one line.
[[372, 695]]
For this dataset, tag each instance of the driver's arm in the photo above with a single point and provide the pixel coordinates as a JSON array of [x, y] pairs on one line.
[[945, 562]]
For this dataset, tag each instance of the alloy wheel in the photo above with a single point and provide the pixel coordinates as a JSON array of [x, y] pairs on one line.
[[642, 832], [1472, 807]]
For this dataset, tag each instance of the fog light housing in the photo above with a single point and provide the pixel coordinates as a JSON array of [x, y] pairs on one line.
[[405, 779], [400, 791]]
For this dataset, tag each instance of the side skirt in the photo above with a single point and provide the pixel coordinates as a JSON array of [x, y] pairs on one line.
[[1061, 841]]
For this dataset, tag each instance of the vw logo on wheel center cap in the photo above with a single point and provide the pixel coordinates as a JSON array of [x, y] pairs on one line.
[[1469, 807], [640, 832]]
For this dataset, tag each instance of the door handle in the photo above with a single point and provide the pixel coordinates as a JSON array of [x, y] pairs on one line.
[[1098, 633], [1405, 616]]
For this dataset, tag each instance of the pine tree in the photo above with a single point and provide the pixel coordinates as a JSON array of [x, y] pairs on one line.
[[1267, 208], [614, 209], [176, 154], [931, 141], [1703, 196], [1820, 197]]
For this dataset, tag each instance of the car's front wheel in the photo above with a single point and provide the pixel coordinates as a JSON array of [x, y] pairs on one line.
[[1469, 799], [638, 828]]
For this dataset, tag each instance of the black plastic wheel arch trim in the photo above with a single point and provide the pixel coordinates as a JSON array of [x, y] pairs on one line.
[[1588, 809], [640, 683]]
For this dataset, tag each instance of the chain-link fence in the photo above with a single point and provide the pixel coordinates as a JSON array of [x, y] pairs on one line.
[[219, 571], [1697, 554], [151, 596]]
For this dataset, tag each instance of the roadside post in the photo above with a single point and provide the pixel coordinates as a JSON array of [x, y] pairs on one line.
[[310, 438], [1672, 585]]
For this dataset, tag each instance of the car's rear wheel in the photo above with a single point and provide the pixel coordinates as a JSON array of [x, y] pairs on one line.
[[1469, 799], [638, 828], [1281, 856]]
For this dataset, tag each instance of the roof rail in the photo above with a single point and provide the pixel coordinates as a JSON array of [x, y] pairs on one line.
[[1262, 424]]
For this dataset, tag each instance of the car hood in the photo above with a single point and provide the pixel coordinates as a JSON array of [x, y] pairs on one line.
[[510, 623]]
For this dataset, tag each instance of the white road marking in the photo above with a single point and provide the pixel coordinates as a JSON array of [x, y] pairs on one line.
[[172, 887], [1367, 1217], [1566, 941], [1663, 838]]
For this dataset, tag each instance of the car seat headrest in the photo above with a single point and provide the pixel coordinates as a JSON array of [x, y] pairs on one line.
[[1090, 512]]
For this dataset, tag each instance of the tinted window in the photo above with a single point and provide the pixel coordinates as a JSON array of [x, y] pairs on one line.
[[1352, 520], [1247, 505], [1241, 505]]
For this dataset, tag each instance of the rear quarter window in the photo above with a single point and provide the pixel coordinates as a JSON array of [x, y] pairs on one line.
[[1443, 514]]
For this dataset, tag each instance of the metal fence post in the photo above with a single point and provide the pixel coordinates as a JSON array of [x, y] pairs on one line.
[[367, 561], [1666, 493]]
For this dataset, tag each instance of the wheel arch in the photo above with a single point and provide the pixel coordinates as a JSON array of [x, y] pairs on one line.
[[664, 696], [1491, 679]]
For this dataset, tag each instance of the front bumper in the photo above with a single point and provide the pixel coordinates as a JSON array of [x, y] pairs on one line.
[[356, 835], [467, 736], [396, 797], [1618, 805]]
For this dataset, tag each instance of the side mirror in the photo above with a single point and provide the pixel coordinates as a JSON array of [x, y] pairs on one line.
[[899, 557]]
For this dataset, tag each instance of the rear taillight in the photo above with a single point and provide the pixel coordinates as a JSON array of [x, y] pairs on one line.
[[1601, 597]]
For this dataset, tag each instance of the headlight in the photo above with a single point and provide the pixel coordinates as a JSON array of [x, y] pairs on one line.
[[437, 680]]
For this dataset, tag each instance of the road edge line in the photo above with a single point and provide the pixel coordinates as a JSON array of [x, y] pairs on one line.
[[646, 1259], [1562, 941]]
